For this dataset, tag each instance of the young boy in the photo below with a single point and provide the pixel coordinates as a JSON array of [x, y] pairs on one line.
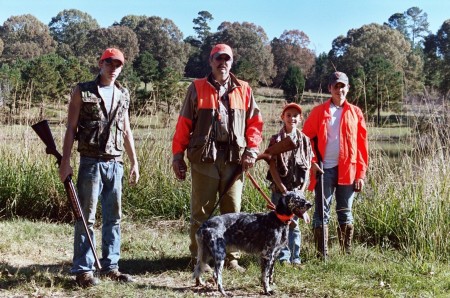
[[289, 171]]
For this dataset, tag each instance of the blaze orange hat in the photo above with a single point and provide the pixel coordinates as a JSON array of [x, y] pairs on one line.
[[220, 49], [292, 105], [113, 54]]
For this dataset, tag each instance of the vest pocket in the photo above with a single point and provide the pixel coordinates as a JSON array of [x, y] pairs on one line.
[[91, 106], [88, 135], [236, 150], [196, 149]]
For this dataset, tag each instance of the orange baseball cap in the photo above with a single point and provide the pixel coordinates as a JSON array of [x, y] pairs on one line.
[[113, 54], [292, 105], [220, 49]]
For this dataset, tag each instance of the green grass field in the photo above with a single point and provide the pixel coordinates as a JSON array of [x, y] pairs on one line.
[[402, 223], [36, 259]]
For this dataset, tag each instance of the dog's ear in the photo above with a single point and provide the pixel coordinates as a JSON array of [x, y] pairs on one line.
[[283, 205]]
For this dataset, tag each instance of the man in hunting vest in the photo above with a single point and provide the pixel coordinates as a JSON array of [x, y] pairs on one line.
[[98, 119]]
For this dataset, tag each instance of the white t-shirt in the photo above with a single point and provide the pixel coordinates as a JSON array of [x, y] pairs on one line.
[[331, 158], [107, 93]]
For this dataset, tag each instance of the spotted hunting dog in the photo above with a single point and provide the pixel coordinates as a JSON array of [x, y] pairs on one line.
[[261, 233]]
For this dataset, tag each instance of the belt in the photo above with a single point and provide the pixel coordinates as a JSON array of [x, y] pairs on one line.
[[105, 158], [222, 145]]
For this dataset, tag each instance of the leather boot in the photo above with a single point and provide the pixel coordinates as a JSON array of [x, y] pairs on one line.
[[318, 241], [345, 235]]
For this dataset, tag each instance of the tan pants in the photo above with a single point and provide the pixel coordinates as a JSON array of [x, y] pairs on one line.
[[206, 190]]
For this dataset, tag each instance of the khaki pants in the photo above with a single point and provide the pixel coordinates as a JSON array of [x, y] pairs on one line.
[[206, 187]]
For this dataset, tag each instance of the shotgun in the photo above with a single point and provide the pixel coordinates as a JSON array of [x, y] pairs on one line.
[[43, 131], [284, 145], [322, 199]]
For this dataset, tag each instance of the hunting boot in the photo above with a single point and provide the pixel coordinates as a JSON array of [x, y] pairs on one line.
[[345, 235], [318, 240]]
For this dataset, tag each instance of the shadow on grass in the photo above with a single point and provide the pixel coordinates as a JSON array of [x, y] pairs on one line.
[[50, 275], [152, 266], [42, 275]]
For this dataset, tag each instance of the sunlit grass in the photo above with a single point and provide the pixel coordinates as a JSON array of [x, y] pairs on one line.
[[405, 204], [36, 260]]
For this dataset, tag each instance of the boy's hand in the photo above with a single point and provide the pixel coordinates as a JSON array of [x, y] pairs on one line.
[[316, 170], [306, 217]]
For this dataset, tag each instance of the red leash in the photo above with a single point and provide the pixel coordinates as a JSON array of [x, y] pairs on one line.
[[270, 205], [283, 218]]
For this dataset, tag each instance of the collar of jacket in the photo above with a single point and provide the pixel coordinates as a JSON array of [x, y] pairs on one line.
[[233, 81]]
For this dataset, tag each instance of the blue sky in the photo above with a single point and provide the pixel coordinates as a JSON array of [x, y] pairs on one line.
[[321, 20]]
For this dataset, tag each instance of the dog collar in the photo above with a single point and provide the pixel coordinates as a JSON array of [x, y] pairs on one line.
[[284, 218]]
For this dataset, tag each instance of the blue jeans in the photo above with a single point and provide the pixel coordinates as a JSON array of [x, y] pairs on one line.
[[290, 253], [98, 180], [344, 199]]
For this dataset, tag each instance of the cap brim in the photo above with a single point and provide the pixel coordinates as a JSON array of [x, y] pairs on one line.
[[221, 53], [339, 81]]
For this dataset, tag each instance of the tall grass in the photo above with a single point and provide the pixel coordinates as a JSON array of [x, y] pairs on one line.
[[29, 185], [405, 204]]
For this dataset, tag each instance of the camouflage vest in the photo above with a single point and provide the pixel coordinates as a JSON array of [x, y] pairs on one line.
[[100, 134]]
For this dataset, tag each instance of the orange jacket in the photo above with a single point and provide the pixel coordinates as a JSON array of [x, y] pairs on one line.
[[353, 147], [194, 121]]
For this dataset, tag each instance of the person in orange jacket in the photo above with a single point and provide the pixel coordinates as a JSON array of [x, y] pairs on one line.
[[220, 129], [338, 132]]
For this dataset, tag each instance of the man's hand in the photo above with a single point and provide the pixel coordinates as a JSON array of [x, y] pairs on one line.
[[359, 185], [179, 168], [247, 162], [316, 169], [65, 170], [134, 175]]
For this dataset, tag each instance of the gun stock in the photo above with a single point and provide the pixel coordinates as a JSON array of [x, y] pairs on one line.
[[284, 145], [42, 129]]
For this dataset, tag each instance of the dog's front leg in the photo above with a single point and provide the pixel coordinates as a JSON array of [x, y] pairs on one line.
[[272, 261], [265, 275], [218, 269]]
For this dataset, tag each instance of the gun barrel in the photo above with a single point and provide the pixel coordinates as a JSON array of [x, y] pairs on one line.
[[45, 134]]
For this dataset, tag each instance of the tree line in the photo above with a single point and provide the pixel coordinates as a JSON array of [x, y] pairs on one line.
[[385, 62]]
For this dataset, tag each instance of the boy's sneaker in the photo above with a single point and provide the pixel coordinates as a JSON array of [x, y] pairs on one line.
[[298, 264], [87, 279], [116, 275]]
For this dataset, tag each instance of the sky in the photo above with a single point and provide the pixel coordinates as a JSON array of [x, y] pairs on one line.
[[321, 20]]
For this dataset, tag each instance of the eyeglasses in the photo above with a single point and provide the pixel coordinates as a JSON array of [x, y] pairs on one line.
[[116, 63], [225, 58]]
